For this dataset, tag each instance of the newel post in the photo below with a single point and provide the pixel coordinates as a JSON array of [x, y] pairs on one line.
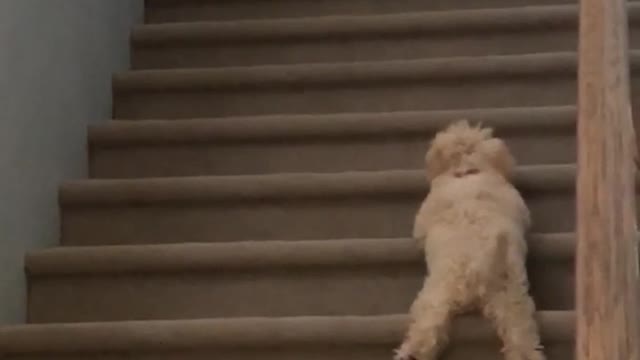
[[607, 298]]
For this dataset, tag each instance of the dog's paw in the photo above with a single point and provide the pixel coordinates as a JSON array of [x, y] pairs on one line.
[[531, 355], [403, 354], [536, 355]]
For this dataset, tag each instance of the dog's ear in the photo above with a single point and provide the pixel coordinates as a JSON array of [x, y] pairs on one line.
[[499, 156]]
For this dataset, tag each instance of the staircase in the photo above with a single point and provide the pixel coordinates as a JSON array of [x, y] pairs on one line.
[[254, 196]]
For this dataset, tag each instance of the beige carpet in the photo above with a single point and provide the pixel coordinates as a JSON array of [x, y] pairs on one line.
[[254, 194]]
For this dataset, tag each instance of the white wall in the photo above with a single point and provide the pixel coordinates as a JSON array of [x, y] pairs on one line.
[[56, 62]]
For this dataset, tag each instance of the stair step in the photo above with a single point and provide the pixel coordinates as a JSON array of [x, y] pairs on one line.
[[316, 338], [279, 207], [314, 143], [432, 84], [291, 278], [160, 11], [478, 32]]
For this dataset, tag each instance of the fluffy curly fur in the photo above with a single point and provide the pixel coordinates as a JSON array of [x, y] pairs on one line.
[[471, 226]]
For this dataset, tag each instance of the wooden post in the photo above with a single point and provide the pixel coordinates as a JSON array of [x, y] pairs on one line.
[[606, 256]]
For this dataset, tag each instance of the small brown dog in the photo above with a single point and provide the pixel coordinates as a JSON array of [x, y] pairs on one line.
[[472, 226]]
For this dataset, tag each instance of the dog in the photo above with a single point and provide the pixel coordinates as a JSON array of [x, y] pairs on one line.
[[472, 228]]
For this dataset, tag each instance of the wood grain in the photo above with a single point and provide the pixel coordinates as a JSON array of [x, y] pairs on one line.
[[606, 259]]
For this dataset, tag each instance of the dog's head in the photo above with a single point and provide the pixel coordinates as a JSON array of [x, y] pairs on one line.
[[462, 149]]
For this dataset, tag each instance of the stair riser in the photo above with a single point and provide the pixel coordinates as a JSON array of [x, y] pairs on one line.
[[328, 352], [304, 155], [173, 11], [539, 90], [345, 49], [377, 217], [320, 290]]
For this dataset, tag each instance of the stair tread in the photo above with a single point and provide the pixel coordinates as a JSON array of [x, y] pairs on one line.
[[283, 185], [340, 73], [254, 254], [166, 12], [121, 132], [521, 18], [158, 335]]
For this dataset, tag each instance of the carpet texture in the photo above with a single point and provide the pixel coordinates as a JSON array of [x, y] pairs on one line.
[[254, 194]]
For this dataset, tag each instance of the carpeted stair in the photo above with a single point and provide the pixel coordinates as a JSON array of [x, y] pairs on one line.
[[254, 196]]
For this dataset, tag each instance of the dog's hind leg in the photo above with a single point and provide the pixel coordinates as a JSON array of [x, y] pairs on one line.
[[512, 311], [430, 315]]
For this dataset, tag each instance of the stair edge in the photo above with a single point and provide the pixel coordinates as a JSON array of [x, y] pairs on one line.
[[158, 335], [366, 72], [136, 133], [203, 189], [120, 259]]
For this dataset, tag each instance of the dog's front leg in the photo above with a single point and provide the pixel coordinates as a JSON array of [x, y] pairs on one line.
[[430, 323]]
